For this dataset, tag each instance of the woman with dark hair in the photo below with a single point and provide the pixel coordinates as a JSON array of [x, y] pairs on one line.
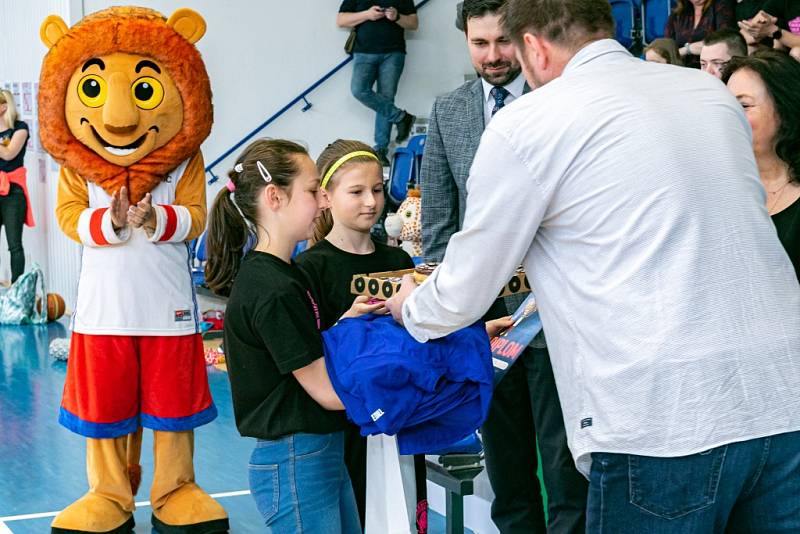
[[765, 84], [692, 20]]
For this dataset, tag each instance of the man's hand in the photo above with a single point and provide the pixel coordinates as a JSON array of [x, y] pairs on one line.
[[391, 13], [363, 305], [395, 304], [143, 215], [496, 326], [119, 208], [375, 13]]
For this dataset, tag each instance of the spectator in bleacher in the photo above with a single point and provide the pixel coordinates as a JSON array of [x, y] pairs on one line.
[[379, 55], [766, 86], [672, 325], [692, 20], [663, 51], [718, 48], [525, 407], [777, 25]]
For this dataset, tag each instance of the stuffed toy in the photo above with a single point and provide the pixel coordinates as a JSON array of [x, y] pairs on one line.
[[408, 220], [124, 104]]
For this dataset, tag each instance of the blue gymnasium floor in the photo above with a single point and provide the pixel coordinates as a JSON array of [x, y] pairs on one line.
[[42, 466]]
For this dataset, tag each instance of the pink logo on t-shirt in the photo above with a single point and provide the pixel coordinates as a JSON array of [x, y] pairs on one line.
[[316, 309], [794, 25]]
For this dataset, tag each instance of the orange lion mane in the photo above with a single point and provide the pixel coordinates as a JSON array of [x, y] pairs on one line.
[[130, 30]]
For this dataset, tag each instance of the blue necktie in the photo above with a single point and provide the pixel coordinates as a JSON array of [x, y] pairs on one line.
[[499, 94]]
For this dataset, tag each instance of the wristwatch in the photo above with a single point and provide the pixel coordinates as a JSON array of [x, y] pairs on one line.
[[777, 34], [688, 48]]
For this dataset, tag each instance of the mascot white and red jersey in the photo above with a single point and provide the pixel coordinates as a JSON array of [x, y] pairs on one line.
[[124, 105]]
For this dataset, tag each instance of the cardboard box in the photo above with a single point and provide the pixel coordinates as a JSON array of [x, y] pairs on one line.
[[384, 285]]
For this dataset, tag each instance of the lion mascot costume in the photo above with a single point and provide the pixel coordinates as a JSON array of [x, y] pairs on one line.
[[124, 105]]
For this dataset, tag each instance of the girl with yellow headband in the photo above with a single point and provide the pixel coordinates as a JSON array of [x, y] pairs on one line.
[[353, 200]]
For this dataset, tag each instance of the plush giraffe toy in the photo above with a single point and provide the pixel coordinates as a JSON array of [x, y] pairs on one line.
[[407, 224]]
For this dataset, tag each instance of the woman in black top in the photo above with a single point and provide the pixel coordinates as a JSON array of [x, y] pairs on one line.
[[766, 86], [14, 204], [282, 394]]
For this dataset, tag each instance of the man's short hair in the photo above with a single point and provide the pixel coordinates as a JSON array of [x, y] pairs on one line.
[[479, 8], [737, 46], [565, 22]]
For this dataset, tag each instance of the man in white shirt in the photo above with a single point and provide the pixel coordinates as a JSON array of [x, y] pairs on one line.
[[525, 408], [672, 311]]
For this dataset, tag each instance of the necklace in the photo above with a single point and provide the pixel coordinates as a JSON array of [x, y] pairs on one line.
[[781, 188], [778, 194]]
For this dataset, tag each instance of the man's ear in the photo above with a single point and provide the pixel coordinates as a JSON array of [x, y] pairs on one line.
[[537, 50]]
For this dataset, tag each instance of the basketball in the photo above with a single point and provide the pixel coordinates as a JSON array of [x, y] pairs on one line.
[[55, 306]]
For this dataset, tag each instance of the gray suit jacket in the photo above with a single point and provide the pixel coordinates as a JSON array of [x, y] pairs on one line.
[[454, 133]]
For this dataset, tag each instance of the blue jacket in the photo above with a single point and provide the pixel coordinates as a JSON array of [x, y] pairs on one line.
[[429, 394]]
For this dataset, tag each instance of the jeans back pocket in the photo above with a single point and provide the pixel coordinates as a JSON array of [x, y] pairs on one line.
[[674, 487], [264, 486]]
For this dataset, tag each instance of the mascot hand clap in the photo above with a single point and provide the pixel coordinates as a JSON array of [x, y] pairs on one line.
[[124, 105]]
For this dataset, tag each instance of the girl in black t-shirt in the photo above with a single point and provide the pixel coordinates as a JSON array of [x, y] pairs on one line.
[[14, 204], [282, 394], [352, 190]]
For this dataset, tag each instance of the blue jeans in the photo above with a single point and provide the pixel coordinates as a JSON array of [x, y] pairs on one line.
[[386, 70], [300, 484], [750, 486]]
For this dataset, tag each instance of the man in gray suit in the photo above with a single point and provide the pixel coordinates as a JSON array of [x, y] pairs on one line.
[[525, 405]]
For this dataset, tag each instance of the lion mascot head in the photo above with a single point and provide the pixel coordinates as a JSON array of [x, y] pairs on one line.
[[124, 96]]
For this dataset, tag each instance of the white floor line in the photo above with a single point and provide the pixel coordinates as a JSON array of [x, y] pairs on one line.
[[142, 504]]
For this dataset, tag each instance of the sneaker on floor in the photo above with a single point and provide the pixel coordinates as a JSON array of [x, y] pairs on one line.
[[404, 127], [382, 152]]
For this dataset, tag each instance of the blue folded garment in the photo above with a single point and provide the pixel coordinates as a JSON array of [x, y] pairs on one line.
[[429, 394]]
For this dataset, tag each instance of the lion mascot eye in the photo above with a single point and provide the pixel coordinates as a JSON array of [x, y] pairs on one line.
[[92, 91], [147, 92]]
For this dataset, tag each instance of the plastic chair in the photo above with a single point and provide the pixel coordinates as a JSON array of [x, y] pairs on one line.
[[406, 165], [403, 171], [197, 251], [656, 13], [624, 13]]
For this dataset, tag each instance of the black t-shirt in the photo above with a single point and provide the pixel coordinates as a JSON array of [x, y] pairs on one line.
[[271, 330], [379, 36], [787, 223], [330, 271], [19, 160], [787, 11]]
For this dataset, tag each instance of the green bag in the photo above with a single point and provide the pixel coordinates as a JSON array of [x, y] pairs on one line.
[[351, 42], [18, 302]]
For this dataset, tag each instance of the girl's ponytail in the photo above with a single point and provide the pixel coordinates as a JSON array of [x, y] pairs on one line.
[[227, 236]]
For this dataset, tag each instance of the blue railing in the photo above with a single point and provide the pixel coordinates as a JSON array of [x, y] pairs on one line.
[[301, 97]]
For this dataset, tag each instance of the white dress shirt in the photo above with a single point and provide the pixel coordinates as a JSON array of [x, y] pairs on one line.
[[630, 192], [515, 89]]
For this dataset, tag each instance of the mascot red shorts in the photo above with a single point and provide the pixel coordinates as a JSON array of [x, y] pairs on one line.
[[117, 383]]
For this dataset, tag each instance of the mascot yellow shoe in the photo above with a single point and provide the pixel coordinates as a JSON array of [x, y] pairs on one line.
[[124, 105]]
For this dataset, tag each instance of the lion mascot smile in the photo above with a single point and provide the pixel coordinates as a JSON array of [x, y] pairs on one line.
[[124, 105]]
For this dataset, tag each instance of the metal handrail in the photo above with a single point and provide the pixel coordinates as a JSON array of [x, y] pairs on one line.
[[302, 96]]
